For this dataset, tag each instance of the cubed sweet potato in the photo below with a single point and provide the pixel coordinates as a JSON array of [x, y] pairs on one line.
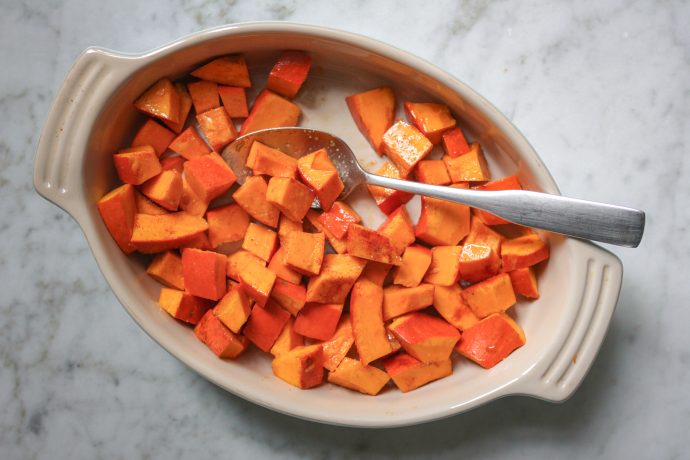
[[185, 107], [217, 127], [371, 245], [451, 306], [256, 280], [506, 183], [493, 295], [483, 235], [189, 144], [219, 338], [406, 146], [432, 172], [264, 160], [239, 260], [265, 325], [204, 95], [478, 262], [270, 111], [304, 252], [289, 73], [318, 320], [301, 367], [337, 347], [204, 273], [198, 242], [398, 227], [373, 112], [251, 197], [260, 241], [443, 223], [226, 224], [183, 306], [165, 189], [338, 274], [277, 265], [468, 167], [454, 142], [425, 337], [160, 233], [162, 100], [166, 268], [430, 118], [445, 265], [155, 135], [287, 340], [524, 282], [491, 340], [292, 297], [146, 206], [233, 309], [175, 162], [398, 300], [190, 201], [234, 101], [408, 373], [415, 262], [339, 245], [118, 210], [286, 226], [209, 176], [366, 313], [352, 374], [338, 218], [523, 251], [290, 196], [376, 272], [136, 165], [318, 172], [227, 70], [387, 199]]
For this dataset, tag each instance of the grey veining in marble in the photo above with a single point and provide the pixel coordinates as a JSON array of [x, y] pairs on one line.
[[601, 89]]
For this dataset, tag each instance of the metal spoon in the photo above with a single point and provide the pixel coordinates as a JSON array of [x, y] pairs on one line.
[[569, 216]]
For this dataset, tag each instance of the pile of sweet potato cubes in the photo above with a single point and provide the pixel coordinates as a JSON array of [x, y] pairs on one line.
[[318, 290]]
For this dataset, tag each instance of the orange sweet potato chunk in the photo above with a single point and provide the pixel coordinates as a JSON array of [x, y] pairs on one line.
[[366, 313], [468, 167], [227, 70], [406, 146], [523, 251], [373, 112], [376, 272], [398, 300], [251, 197], [190, 202], [301, 367], [218, 127], [352, 374], [160, 233], [233, 309], [118, 210], [493, 295], [234, 101], [166, 268], [454, 143], [430, 118], [165, 189], [198, 242], [155, 135], [189, 144], [204, 273], [183, 306], [277, 265], [260, 241], [506, 183], [408, 373], [415, 262], [425, 337], [304, 252], [162, 100], [239, 260], [264, 160], [286, 226], [398, 227], [478, 262], [371, 245], [449, 303], [185, 107], [290, 196], [270, 111], [432, 172], [289, 73], [491, 340], [336, 348], [524, 282], [204, 95], [265, 325], [256, 280], [287, 340], [209, 176], [338, 218], [146, 206], [443, 223], [444, 269], [387, 199], [226, 224], [318, 320], [338, 244], [137, 164], [175, 162], [338, 274], [483, 235], [292, 297], [219, 338], [318, 172]]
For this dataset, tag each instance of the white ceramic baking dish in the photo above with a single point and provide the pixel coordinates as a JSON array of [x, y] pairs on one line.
[[93, 116]]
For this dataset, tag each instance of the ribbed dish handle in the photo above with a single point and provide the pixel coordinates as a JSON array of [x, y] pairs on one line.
[[57, 167], [557, 377]]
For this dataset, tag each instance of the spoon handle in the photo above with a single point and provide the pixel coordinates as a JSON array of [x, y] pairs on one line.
[[569, 216]]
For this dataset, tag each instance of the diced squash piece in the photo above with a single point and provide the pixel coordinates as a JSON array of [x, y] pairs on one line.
[[376, 272], [468, 167], [432, 172], [234, 101], [204, 273], [226, 224], [270, 111], [209, 176], [340, 245], [523, 251], [218, 127], [189, 144], [506, 183], [282, 271], [292, 297], [493, 295], [318, 320], [290, 196], [445, 265], [146, 206], [524, 282], [398, 227], [251, 197], [352, 374], [198, 242], [265, 325], [415, 262], [233, 309], [185, 107], [338, 218], [162, 100], [318, 172], [118, 210], [263, 159], [204, 95], [483, 235], [137, 164], [387, 199], [165, 189], [406, 146], [337, 347], [454, 142], [155, 135], [366, 313], [190, 202], [289, 73], [219, 338], [286, 226], [227, 70], [166, 268], [183, 306], [287, 340], [373, 112], [491, 340], [425, 337], [301, 366], [408, 373], [371, 245], [260, 241], [175, 162], [239, 260], [304, 252], [430, 118], [478, 262], [398, 300], [257, 281], [167, 231], [443, 223], [451, 306], [338, 274]]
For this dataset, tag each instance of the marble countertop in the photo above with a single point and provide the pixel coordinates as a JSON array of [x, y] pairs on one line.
[[599, 88]]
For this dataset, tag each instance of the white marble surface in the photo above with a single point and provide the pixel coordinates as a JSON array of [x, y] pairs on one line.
[[599, 88]]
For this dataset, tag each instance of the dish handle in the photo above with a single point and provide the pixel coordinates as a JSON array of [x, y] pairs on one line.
[[556, 377], [57, 167]]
